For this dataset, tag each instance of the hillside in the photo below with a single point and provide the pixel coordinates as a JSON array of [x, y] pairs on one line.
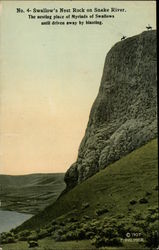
[[132, 178], [123, 116], [30, 193]]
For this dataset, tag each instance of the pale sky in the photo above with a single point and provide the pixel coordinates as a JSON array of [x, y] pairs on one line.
[[49, 78]]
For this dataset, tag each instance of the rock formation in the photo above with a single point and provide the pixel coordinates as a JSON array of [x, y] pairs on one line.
[[123, 116]]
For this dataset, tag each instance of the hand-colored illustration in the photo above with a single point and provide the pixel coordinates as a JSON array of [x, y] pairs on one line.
[[78, 126]]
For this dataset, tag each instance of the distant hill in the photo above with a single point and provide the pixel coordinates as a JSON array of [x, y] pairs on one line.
[[30, 193], [132, 178]]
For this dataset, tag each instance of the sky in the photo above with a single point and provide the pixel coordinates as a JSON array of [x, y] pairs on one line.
[[49, 79]]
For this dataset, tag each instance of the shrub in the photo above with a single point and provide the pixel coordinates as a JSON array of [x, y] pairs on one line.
[[148, 193], [81, 234], [72, 235], [120, 216], [33, 236], [53, 222], [156, 188], [138, 216], [73, 226], [114, 242], [93, 227], [50, 229], [43, 233], [3, 235], [140, 224], [133, 202], [23, 236], [143, 201], [99, 241], [72, 219], [85, 205], [8, 240], [89, 234], [153, 226], [86, 217], [62, 238], [121, 229], [101, 211], [24, 233], [32, 244], [153, 210], [152, 217], [56, 236], [8, 234], [109, 232], [61, 223], [152, 239]]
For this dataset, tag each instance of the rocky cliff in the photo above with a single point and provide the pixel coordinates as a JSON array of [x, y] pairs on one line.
[[123, 116]]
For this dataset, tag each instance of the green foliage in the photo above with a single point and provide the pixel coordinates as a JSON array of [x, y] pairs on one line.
[[43, 233], [8, 240], [156, 188], [85, 205], [152, 239], [72, 219], [153, 210], [133, 202], [112, 189], [32, 243], [33, 236], [53, 222], [138, 216], [143, 201], [148, 193], [101, 211], [99, 241], [23, 235], [121, 229], [8, 237], [150, 228], [86, 217]]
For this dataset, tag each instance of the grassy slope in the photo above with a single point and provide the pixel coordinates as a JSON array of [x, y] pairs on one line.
[[30, 193], [127, 179]]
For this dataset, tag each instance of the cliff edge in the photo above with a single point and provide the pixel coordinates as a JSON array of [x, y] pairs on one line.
[[124, 114]]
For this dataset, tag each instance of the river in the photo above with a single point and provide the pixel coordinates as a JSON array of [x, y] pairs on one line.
[[11, 219]]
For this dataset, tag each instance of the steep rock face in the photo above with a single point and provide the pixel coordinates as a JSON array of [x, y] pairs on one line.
[[123, 116]]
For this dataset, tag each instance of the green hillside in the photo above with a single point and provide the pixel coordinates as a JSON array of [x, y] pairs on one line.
[[30, 193], [123, 189], [116, 209]]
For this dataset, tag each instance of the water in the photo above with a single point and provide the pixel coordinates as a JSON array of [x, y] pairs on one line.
[[11, 219]]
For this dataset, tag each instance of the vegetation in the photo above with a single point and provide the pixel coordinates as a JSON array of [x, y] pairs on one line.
[[49, 244], [118, 204], [112, 188]]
